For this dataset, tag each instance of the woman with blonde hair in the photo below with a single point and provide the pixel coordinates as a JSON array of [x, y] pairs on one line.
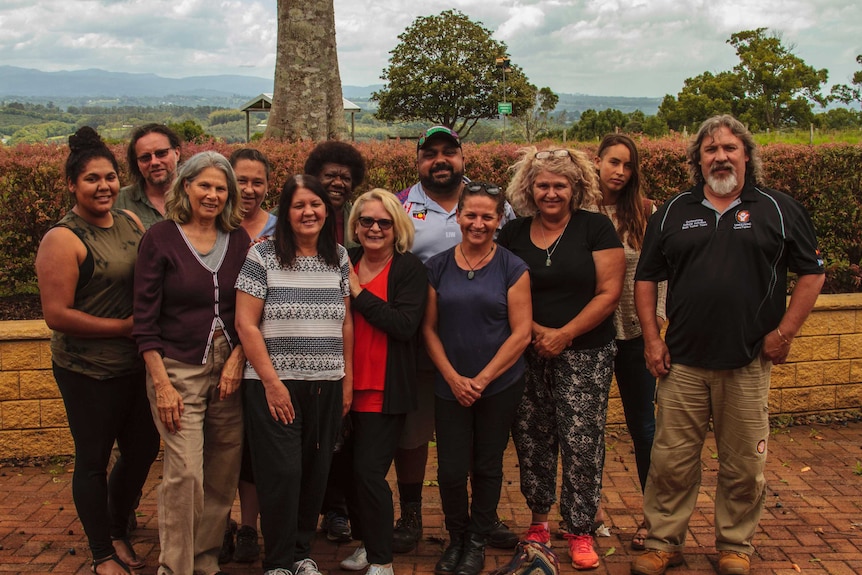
[[388, 289], [576, 266], [184, 327]]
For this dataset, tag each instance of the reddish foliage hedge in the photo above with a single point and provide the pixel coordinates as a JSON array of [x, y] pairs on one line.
[[827, 179]]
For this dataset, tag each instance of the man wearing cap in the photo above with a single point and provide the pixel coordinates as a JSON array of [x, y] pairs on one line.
[[431, 204], [725, 247], [153, 155]]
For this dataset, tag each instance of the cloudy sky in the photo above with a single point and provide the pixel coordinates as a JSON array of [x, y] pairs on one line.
[[599, 47]]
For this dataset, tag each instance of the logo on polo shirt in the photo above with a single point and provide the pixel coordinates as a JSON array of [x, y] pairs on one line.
[[695, 223], [743, 220], [419, 215]]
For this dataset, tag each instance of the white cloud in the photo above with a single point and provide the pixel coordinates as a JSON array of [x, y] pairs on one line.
[[612, 47]]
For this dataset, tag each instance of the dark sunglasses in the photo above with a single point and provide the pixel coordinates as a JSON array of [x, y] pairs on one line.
[[160, 154], [367, 222], [561, 153], [476, 187]]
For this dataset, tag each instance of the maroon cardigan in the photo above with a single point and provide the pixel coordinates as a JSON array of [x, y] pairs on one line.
[[175, 295]]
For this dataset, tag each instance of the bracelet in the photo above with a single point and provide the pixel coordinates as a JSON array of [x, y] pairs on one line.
[[781, 335]]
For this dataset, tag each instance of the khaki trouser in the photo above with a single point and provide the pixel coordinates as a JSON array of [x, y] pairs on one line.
[[737, 400], [201, 466]]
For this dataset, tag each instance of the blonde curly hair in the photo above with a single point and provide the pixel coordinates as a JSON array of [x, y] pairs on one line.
[[574, 165]]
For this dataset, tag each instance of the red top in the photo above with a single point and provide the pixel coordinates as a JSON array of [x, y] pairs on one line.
[[369, 352]]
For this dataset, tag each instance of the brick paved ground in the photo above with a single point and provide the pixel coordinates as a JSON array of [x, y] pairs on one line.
[[812, 522]]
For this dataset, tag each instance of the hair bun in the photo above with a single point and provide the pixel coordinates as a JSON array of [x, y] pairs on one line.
[[85, 137]]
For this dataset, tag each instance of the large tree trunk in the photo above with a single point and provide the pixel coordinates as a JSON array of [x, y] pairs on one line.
[[306, 100]]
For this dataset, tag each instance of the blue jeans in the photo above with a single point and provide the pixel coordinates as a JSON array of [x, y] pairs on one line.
[[637, 391]]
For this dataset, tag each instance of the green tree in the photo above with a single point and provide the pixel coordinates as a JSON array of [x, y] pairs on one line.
[[770, 88], [779, 86], [594, 125], [701, 97], [444, 71], [535, 121], [849, 94], [188, 130]]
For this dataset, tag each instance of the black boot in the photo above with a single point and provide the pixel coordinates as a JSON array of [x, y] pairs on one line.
[[473, 557], [451, 555], [408, 529]]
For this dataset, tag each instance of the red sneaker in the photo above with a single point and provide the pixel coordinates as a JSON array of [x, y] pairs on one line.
[[583, 554], [538, 533]]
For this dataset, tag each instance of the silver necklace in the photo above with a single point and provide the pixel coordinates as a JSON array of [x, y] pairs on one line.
[[553, 248], [472, 273]]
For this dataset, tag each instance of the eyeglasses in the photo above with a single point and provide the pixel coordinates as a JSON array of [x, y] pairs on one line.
[[160, 154], [476, 187], [367, 222], [561, 153]]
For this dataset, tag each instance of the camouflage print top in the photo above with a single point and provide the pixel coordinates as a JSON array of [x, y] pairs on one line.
[[105, 289]]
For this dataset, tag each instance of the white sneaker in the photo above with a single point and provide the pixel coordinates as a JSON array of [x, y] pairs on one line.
[[306, 567], [380, 570], [278, 571], [357, 561]]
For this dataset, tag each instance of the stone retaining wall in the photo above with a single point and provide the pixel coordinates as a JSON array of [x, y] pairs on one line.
[[824, 373]]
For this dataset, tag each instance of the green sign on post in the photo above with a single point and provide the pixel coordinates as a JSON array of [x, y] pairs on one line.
[[504, 108]]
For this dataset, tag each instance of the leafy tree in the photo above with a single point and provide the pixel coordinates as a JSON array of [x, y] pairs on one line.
[[188, 130], [702, 97], [306, 99], [443, 71], [594, 125], [534, 121], [225, 116], [852, 93], [838, 119], [770, 87], [779, 86]]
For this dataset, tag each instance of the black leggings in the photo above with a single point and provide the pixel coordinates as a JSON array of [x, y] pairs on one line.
[[101, 411]]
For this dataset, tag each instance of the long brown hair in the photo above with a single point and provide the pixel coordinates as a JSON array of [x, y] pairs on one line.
[[633, 209]]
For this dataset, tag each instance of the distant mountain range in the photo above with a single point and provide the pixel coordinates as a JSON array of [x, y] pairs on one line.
[[99, 87]]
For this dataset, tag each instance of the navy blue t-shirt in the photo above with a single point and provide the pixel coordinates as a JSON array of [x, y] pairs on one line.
[[473, 315]]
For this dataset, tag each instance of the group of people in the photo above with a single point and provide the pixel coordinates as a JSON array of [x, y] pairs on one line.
[[297, 355]]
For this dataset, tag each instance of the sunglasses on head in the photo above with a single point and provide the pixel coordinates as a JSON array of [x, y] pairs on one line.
[[367, 222], [160, 154], [476, 187], [561, 153]]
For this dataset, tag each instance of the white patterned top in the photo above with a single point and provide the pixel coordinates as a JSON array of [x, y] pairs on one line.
[[303, 312]]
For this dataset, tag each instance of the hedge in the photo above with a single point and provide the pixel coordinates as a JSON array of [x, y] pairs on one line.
[[826, 179]]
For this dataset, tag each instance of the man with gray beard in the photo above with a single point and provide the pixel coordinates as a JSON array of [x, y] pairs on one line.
[[725, 247]]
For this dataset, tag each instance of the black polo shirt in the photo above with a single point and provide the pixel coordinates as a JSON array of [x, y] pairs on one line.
[[727, 275]]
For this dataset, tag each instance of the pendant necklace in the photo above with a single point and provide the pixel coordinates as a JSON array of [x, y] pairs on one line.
[[472, 273], [553, 248]]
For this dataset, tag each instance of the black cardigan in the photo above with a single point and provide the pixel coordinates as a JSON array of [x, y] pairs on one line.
[[400, 318]]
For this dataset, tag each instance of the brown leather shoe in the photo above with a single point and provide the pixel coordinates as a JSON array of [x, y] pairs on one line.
[[733, 563], [655, 562]]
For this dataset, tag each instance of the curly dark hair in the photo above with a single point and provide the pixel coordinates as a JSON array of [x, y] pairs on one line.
[[86, 145], [336, 152]]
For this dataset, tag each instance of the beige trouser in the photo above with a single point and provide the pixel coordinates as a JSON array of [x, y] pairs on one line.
[[201, 466], [738, 402]]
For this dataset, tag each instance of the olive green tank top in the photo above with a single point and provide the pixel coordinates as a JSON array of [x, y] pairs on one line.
[[105, 289]]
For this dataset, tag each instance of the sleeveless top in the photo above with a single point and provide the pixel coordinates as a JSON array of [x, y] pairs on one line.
[[105, 289]]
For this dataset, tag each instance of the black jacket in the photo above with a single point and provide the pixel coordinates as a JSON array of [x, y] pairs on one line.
[[399, 318]]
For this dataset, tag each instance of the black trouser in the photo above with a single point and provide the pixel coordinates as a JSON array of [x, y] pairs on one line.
[[291, 464], [375, 439], [101, 411], [340, 478], [477, 434]]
